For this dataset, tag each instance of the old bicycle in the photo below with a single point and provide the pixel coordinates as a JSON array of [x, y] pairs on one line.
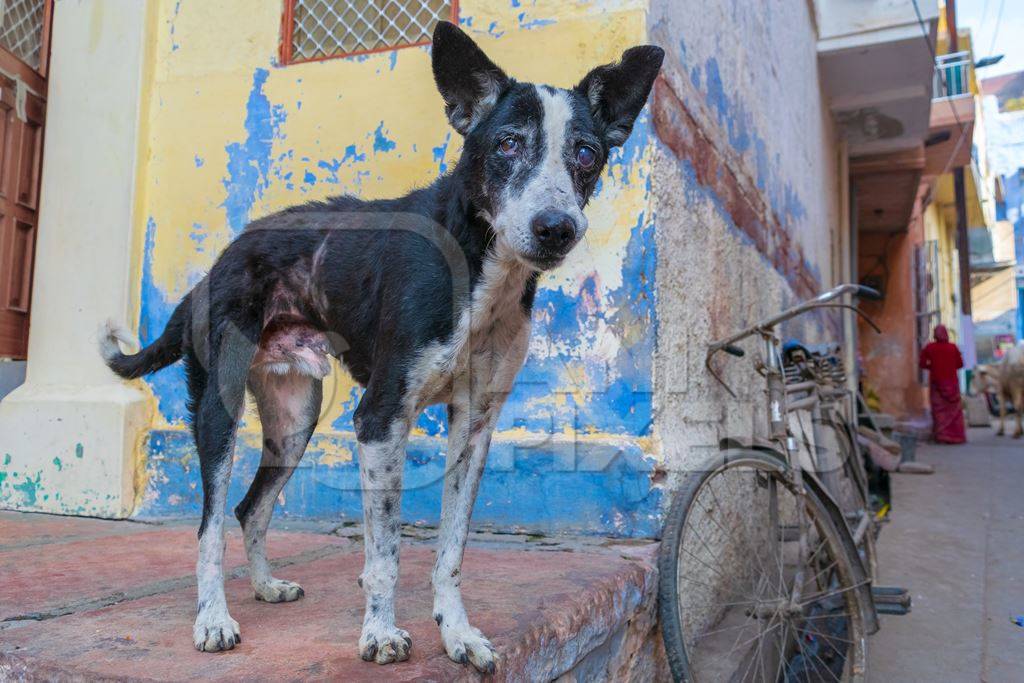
[[762, 577]]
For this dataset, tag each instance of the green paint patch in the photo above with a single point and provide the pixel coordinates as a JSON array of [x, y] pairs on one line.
[[7, 459], [57, 462], [29, 488], [79, 450]]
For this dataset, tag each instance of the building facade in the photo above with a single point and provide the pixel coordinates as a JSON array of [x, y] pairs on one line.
[[766, 151], [952, 262], [1004, 111]]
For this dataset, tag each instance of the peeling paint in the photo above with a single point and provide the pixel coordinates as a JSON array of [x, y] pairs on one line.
[[174, 44], [29, 489], [381, 143], [439, 154], [754, 221], [262, 138], [590, 487], [249, 161]]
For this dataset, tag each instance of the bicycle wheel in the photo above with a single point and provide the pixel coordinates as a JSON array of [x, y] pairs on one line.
[[842, 473], [755, 583]]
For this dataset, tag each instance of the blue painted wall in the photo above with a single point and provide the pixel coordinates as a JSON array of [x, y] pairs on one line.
[[283, 135], [1012, 209]]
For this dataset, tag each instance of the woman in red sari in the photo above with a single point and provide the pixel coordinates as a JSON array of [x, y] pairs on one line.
[[942, 359]]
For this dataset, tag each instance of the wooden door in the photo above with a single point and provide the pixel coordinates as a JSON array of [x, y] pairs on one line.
[[24, 51]]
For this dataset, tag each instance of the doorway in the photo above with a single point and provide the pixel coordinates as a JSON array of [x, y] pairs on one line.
[[24, 54]]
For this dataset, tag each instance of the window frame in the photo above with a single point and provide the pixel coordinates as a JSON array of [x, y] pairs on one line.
[[287, 58]]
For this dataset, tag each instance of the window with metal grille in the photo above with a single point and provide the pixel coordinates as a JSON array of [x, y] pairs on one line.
[[320, 29], [21, 24]]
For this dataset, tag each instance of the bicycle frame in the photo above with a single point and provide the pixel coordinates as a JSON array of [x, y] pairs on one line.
[[779, 410], [820, 403]]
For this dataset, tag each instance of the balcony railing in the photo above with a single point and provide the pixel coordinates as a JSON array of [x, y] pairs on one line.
[[952, 75]]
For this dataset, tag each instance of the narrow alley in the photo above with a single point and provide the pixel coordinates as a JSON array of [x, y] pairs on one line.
[[954, 541]]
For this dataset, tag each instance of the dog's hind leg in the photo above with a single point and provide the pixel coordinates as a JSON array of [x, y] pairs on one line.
[[382, 429], [1018, 405], [289, 405], [1004, 396], [215, 423]]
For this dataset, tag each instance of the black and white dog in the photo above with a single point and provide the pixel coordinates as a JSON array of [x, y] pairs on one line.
[[425, 299]]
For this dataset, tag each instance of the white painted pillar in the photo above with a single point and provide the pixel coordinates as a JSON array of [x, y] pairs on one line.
[[69, 434]]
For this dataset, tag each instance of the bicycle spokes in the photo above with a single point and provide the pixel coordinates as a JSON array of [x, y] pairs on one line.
[[762, 597]]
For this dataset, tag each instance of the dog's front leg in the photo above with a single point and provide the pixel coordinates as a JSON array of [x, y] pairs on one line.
[[381, 461], [477, 399], [469, 438]]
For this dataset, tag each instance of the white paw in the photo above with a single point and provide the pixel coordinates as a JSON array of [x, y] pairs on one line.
[[383, 644], [463, 643], [215, 630], [279, 590]]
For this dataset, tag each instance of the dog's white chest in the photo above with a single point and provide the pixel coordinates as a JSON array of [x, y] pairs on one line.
[[488, 343]]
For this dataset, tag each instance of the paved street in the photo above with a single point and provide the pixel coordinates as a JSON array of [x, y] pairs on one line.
[[955, 541], [116, 595]]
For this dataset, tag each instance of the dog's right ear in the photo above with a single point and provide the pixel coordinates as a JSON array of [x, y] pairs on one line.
[[469, 82]]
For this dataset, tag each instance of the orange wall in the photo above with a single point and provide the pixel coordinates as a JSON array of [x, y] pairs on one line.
[[890, 359]]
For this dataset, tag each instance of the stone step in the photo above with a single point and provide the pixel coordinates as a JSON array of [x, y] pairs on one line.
[[103, 600]]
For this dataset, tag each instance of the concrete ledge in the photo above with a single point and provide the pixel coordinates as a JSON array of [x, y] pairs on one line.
[[115, 600]]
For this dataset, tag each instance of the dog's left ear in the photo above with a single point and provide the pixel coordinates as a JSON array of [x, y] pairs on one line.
[[617, 92], [469, 82]]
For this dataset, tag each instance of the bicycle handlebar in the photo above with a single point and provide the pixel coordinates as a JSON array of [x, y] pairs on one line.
[[865, 292], [820, 301], [823, 300], [734, 350]]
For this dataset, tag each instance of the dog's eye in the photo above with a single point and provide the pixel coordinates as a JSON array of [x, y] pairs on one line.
[[508, 145], [586, 157]]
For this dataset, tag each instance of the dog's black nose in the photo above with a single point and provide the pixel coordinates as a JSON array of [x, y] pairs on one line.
[[554, 230]]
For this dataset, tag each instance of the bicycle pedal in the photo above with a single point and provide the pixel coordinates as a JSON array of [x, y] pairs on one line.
[[892, 610], [891, 599]]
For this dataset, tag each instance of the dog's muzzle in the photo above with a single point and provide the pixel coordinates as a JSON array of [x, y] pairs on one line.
[[554, 235]]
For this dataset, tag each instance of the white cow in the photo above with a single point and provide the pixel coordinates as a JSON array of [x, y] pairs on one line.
[[1007, 381]]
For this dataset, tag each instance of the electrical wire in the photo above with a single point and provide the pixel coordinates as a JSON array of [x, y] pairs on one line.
[[995, 31], [984, 13]]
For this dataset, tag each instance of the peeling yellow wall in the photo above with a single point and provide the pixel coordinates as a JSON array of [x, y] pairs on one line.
[[206, 57], [233, 136]]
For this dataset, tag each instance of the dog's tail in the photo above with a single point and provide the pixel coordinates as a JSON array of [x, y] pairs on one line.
[[161, 353]]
